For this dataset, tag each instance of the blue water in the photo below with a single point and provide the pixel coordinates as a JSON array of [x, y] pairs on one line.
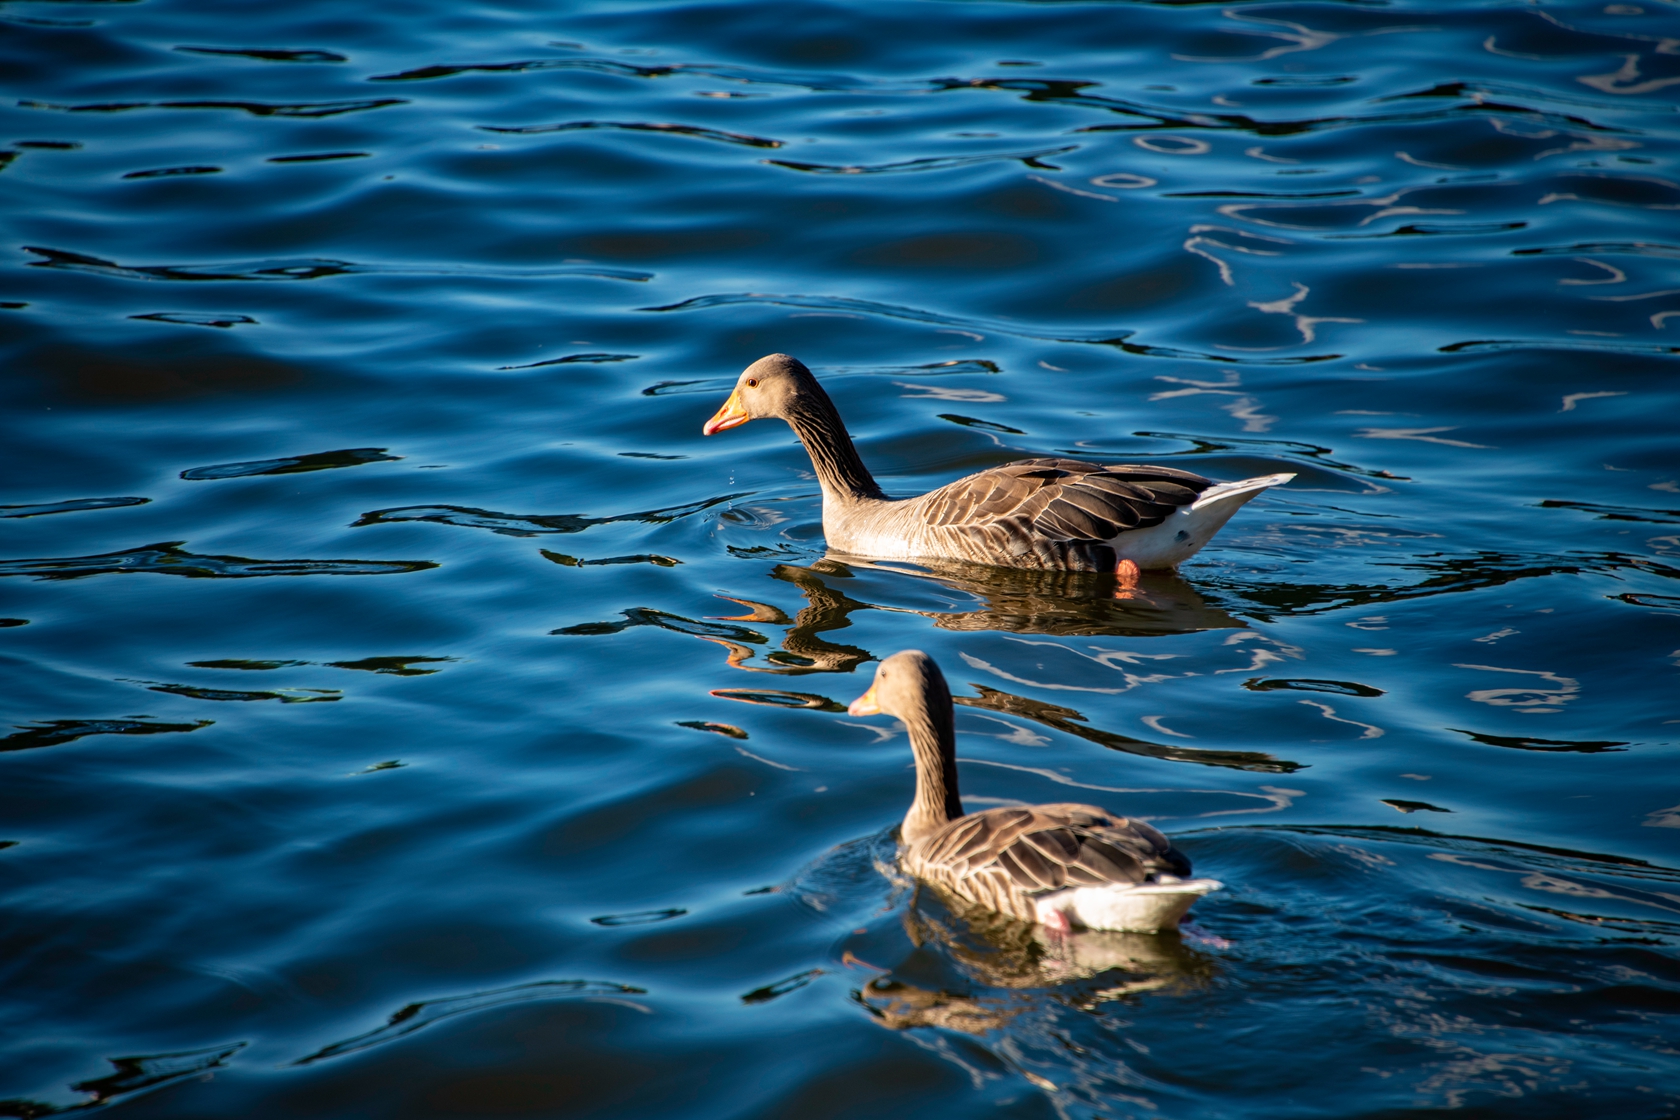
[[408, 713]]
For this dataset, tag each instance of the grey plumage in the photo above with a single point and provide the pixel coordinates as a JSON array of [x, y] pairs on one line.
[[1036, 513], [1002, 857], [1007, 859]]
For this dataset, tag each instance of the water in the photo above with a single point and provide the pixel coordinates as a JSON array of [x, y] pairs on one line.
[[408, 713]]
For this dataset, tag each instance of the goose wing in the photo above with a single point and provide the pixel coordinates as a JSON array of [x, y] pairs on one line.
[[1045, 848], [1062, 499]]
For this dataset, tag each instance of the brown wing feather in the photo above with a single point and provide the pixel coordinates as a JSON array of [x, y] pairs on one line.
[[1002, 857], [1061, 500]]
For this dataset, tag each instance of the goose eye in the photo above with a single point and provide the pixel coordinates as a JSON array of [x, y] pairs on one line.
[[752, 382]]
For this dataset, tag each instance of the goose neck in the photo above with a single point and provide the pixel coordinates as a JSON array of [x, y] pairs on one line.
[[937, 802], [839, 468]]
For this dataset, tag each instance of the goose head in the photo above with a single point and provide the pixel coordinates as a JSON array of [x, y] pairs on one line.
[[908, 685], [775, 386]]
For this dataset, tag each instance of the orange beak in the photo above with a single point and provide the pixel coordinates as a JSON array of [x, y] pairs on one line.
[[732, 415], [865, 705]]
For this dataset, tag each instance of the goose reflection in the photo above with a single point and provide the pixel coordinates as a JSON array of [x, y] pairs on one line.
[[1058, 603], [975, 970], [803, 649], [1053, 603]]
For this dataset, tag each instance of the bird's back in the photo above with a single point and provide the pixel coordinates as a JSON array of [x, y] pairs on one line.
[[1035, 513], [1002, 858]]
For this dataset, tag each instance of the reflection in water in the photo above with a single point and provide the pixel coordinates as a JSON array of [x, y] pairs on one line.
[[1029, 602], [726, 729], [664, 620], [996, 951], [803, 651], [1073, 723], [1063, 604], [777, 698], [1024, 1002]]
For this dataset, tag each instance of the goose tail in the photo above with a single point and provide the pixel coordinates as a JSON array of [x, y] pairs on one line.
[[1140, 908], [1246, 489]]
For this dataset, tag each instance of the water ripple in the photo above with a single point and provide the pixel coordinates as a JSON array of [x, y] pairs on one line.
[[870, 307], [295, 464], [695, 131], [306, 110], [535, 524], [418, 1016], [1426, 249]]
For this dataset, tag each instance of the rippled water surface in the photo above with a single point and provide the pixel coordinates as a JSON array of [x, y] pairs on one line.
[[408, 713]]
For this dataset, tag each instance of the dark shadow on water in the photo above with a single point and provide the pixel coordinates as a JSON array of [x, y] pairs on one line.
[[52, 732], [285, 696], [170, 559], [74, 505], [297, 464], [1524, 743], [533, 524], [1339, 688], [132, 1075], [139, 374]]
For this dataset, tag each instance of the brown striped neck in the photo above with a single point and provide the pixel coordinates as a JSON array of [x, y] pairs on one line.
[[817, 423], [932, 727]]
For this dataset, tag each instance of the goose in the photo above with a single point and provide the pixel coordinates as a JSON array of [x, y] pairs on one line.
[[1034, 513], [1064, 866]]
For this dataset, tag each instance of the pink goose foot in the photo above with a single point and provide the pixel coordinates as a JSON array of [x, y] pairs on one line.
[[1056, 921]]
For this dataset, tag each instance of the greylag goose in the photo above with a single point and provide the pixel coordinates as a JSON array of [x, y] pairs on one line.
[[1035, 513], [1064, 866]]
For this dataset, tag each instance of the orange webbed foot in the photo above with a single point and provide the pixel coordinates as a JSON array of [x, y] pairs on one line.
[[1126, 576]]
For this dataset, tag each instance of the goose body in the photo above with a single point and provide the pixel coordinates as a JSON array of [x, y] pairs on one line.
[[1034, 513], [1066, 866]]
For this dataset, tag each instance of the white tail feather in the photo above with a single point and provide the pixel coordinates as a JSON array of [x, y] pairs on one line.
[[1180, 536], [1143, 908], [1223, 491]]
